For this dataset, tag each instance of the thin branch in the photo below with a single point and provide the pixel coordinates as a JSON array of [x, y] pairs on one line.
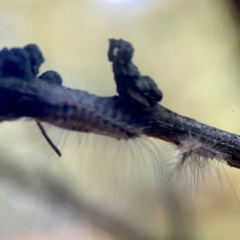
[[48, 139], [135, 112]]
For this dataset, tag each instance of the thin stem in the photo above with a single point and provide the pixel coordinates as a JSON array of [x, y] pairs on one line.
[[48, 139], [46, 103], [135, 112]]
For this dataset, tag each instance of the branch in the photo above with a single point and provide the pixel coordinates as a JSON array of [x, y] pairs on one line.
[[134, 113]]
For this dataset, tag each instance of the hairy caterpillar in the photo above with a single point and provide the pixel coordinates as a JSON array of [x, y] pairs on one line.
[[133, 114]]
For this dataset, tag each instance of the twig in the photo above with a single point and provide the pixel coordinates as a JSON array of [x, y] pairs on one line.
[[135, 112], [48, 139]]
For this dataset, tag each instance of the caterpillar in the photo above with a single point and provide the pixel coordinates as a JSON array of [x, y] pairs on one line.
[[134, 113]]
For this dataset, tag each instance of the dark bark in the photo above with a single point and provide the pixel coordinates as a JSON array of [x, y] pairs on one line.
[[135, 112]]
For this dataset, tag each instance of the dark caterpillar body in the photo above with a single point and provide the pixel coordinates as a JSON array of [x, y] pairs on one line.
[[84, 118]]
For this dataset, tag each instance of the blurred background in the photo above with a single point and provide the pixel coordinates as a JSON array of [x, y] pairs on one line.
[[192, 50]]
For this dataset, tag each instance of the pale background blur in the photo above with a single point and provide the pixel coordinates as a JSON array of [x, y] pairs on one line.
[[192, 50]]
